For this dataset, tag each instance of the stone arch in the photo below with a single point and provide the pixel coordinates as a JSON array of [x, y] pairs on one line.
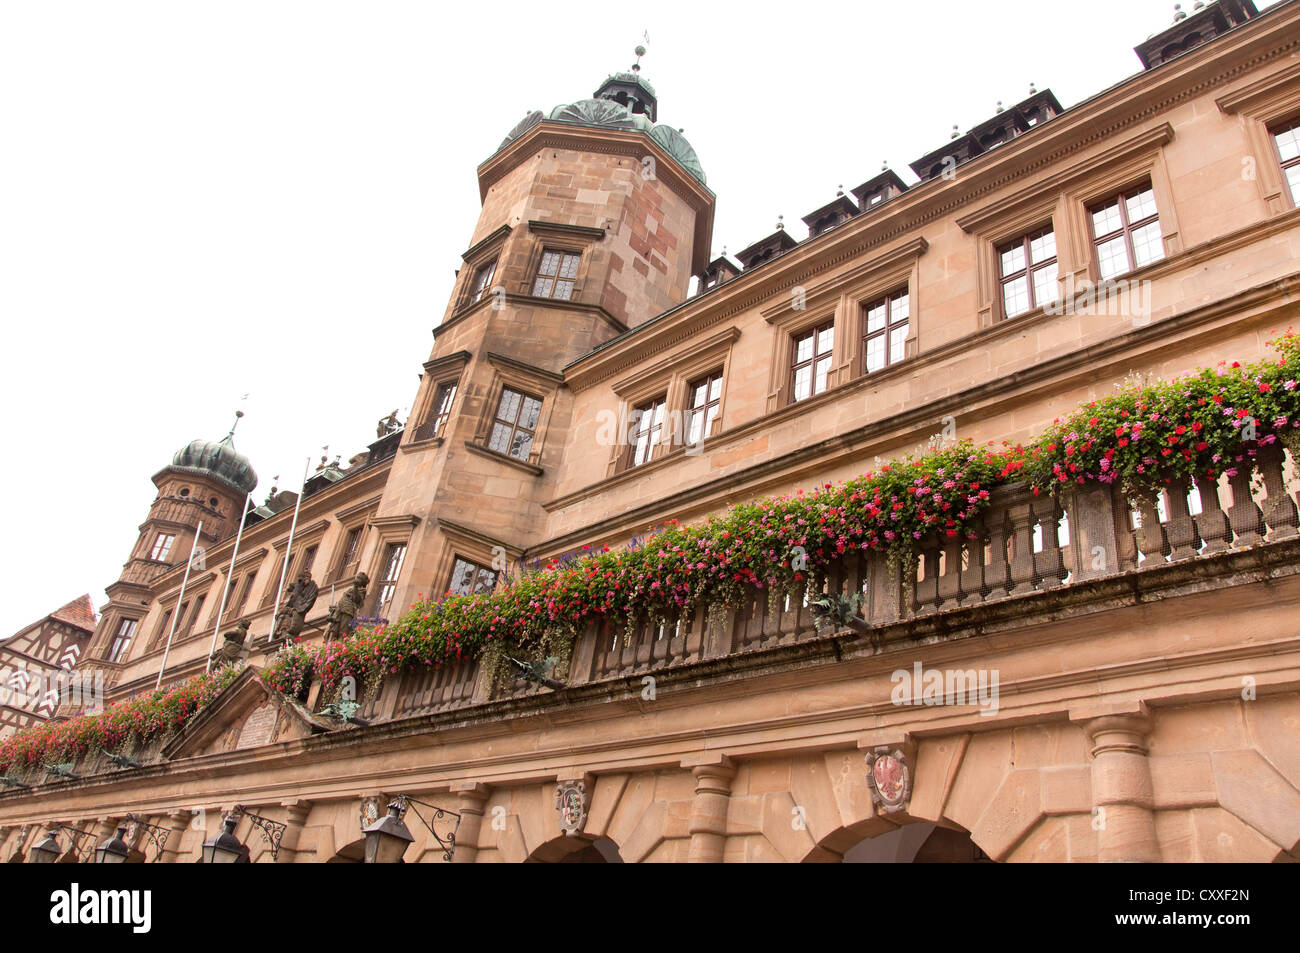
[[576, 850], [911, 840]]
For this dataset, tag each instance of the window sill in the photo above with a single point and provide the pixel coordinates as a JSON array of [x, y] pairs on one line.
[[424, 443], [491, 454]]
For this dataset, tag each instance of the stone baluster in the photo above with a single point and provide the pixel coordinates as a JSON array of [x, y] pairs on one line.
[[950, 593], [996, 570], [972, 575], [1151, 541], [1121, 508], [1049, 567], [1211, 522], [1279, 509], [927, 590], [1244, 516], [1180, 530], [1021, 518]]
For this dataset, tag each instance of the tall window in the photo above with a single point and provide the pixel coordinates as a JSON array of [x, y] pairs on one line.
[[1126, 232], [468, 578], [388, 578], [483, 281], [164, 624], [515, 424], [705, 397], [194, 619], [812, 360], [1028, 272], [348, 557], [439, 410], [556, 274], [308, 559], [647, 430], [1288, 150], [884, 337], [122, 640], [162, 547], [243, 599]]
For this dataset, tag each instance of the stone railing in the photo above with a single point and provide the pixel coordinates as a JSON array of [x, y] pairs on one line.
[[1023, 544]]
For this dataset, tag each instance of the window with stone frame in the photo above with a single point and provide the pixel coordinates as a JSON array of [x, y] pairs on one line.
[[238, 606], [389, 574], [160, 633], [1126, 232], [469, 578], [1287, 140], [885, 323], [435, 420], [308, 560], [482, 284], [345, 566], [273, 583], [646, 430], [162, 547], [122, 640], [514, 426], [556, 274], [1027, 270], [704, 402], [193, 622], [811, 363]]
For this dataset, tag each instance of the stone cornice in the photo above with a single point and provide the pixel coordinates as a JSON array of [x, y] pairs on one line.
[[532, 302], [540, 373], [561, 228], [496, 237], [595, 373]]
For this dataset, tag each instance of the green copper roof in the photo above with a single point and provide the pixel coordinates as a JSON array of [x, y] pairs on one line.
[[610, 114], [219, 461]]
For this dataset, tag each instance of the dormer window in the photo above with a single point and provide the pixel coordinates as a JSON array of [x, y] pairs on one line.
[[556, 275]]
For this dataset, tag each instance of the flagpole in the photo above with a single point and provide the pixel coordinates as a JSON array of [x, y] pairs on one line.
[[288, 546], [221, 609], [180, 603]]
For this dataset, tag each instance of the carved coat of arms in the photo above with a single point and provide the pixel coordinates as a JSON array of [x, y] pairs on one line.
[[571, 801], [890, 778]]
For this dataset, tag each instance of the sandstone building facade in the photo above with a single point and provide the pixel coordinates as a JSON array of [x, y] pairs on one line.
[[583, 388]]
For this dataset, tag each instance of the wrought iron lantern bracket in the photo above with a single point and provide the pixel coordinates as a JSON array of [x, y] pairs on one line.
[[448, 844], [273, 831], [155, 833]]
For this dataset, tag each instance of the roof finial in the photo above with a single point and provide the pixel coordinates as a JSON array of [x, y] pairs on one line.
[[1033, 90], [839, 190], [229, 438], [999, 109], [640, 52], [954, 131], [1178, 12], [780, 223]]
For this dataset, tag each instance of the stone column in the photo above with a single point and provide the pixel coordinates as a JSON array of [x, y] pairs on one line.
[[709, 813], [295, 819], [473, 800], [1123, 814], [178, 822]]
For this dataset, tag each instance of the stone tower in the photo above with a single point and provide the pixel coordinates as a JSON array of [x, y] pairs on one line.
[[205, 483], [594, 219]]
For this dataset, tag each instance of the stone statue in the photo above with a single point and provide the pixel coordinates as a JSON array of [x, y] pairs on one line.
[[387, 425], [232, 646], [348, 608], [297, 603]]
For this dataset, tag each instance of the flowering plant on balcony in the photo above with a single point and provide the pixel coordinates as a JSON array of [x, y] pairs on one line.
[[1146, 435], [138, 718]]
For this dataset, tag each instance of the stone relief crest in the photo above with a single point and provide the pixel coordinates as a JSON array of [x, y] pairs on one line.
[[369, 811], [571, 801], [889, 777]]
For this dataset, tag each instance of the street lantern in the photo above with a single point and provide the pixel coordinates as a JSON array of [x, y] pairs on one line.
[[225, 848], [47, 851], [387, 838], [113, 850]]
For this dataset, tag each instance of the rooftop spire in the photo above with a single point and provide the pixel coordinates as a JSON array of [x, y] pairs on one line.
[[230, 437]]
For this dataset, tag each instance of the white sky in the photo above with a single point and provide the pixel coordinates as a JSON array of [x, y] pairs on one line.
[[204, 200]]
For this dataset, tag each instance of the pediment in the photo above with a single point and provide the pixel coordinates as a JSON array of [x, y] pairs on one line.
[[248, 714]]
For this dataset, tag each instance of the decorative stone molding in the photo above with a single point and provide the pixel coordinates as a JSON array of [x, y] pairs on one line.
[[572, 802]]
